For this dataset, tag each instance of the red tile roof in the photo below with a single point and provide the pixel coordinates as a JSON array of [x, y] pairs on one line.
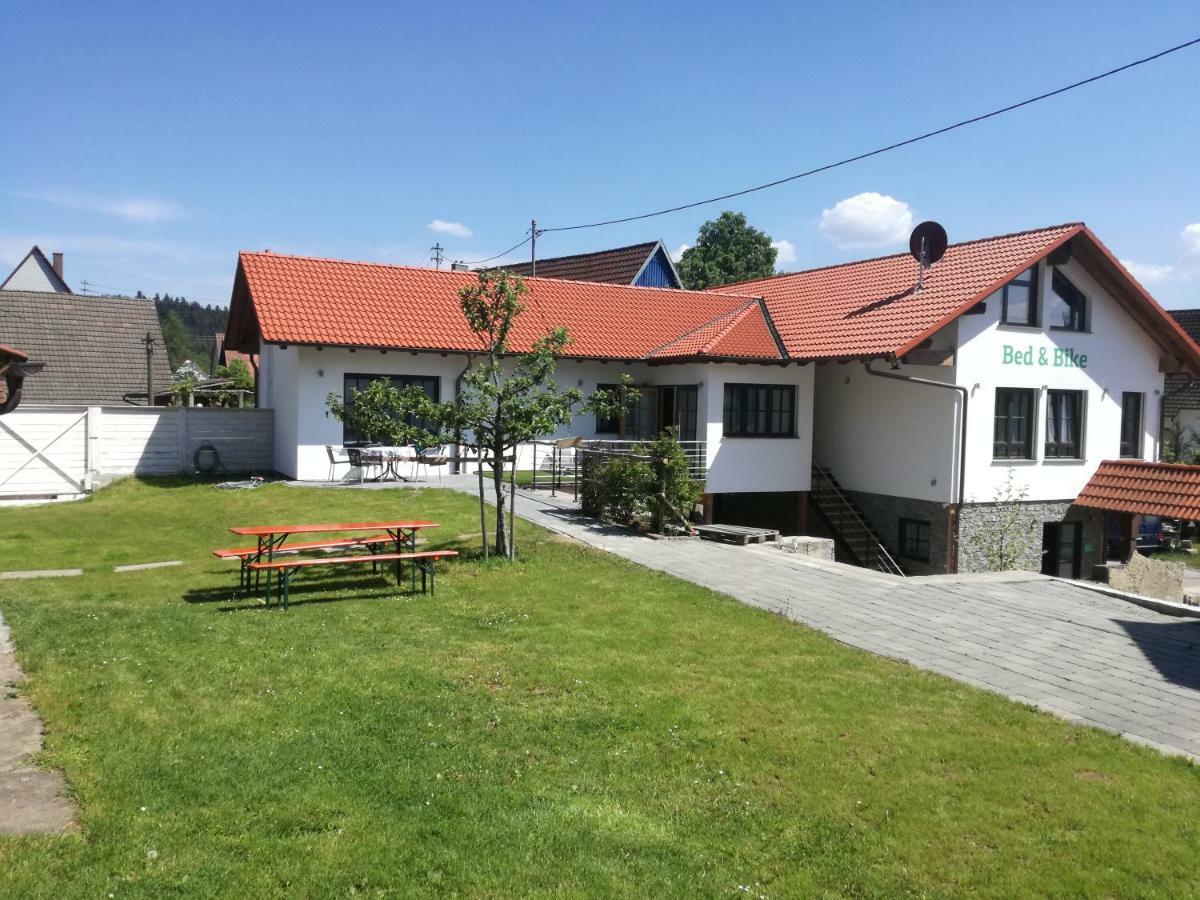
[[304, 300], [1144, 488], [870, 308]]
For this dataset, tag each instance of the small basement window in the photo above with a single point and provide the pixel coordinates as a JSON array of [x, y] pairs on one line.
[[914, 540], [1067, 305], [1019, 299]]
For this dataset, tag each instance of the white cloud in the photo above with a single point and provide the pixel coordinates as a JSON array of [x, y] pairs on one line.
[[678, 254], [1149, 273], [785, 253], [454, 229], [1191, 238], [869, 219], [143, 210]]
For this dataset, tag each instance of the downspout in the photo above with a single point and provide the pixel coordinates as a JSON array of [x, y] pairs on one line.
[[962, 438], [1162, 409]]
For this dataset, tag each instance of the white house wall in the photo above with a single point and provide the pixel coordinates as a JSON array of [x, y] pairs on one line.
[[296, 381], [1120, 357], [883, 437]]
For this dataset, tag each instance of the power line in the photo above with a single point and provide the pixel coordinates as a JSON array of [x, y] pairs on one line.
[[479, 262], [877, 152]]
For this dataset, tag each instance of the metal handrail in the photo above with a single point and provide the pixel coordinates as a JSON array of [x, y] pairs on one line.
[[890, 564]]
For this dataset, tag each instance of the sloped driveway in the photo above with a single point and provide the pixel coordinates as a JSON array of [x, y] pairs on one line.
[[1066, 649]]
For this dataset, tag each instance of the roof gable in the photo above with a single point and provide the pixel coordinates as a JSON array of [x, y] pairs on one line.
[[620, 265], [871, 308], [291, 299], [35, 273]]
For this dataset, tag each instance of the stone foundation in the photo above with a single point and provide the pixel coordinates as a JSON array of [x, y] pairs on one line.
[[883, 512]]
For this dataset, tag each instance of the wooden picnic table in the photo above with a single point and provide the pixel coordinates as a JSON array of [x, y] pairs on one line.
[[272, 537]]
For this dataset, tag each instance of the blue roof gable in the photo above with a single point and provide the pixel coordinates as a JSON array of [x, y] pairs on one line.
[[658, 272]]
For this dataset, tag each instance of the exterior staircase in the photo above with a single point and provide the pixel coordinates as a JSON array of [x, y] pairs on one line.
[[850, 528]]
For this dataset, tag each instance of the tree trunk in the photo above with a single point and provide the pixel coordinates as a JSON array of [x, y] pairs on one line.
[[482, 502], [498, 484]]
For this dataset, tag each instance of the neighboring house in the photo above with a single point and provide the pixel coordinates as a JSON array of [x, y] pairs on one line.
[[222, 356], [1037, 346], [1051, 351], [12, 367], [1181, 400], [36, 273], [644, 265], [93, 347], [322, 326]]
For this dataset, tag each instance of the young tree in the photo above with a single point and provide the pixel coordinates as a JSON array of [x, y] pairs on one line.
[[385, 414], [1006, 539], [727, 249]]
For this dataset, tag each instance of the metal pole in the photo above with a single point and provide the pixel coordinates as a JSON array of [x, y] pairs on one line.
[[512, 507], [533, 247], [149, 342]]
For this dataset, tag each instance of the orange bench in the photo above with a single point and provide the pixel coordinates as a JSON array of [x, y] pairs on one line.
[[422, 560], [244, 554]]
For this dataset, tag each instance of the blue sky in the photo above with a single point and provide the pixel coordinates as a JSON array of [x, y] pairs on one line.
[[151, 142]]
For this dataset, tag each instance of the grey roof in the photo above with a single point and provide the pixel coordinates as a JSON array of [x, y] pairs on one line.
[[91, 346], [1189, 321]]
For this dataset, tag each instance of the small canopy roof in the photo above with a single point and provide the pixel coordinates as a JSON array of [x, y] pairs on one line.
[[1144, 488]]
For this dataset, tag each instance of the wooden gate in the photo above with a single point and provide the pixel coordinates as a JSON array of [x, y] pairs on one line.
[[44, 452]]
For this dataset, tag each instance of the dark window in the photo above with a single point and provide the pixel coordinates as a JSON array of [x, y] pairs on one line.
[[608, 424], [1131, 425], [1012, 435], [1067, 305], [760, 410], [914, 539], [686, 403], [431, 384], [1019, 299], [1064, 420]]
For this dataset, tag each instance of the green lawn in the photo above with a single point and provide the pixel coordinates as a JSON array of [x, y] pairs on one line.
[[569, 725]]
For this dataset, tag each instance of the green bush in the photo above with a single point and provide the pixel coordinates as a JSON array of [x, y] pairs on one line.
[[625, 488]]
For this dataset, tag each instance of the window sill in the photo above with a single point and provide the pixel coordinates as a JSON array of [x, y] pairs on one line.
[[1064, 460], [759, 437], [1002, 461], [1017, 326]]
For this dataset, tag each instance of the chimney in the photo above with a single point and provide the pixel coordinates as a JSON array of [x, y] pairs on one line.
[[58, 265]]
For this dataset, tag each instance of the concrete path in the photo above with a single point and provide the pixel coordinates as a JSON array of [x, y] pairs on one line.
[[31, 800]]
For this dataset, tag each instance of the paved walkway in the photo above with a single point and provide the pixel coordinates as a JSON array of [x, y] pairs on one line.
[[31, 800]]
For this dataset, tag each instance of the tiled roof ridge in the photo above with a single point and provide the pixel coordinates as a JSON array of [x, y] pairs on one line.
[[536, 278], [875, 259], [606, 252], [734, 316], [1148, 464]]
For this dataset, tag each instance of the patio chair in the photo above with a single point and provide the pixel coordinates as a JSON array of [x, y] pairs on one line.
[[362, 459], [438, 457], [338, 456]]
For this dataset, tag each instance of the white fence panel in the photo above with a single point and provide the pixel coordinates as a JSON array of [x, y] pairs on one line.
[[58, 450], [44, 451]]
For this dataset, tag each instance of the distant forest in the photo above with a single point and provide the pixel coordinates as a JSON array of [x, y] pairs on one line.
[[188, 328]]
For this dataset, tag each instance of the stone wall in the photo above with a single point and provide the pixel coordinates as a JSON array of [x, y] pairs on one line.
[[1143, 575], [976, 516], [883, 513]]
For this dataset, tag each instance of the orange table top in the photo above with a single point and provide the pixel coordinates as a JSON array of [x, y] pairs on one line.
[[265, 530]]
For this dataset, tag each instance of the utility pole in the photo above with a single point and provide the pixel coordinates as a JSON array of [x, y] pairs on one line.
[[436, 254], [148, 340], [85, 286], [533, 247]]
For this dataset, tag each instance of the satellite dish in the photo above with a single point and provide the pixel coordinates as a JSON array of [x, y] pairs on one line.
[[928, 243]]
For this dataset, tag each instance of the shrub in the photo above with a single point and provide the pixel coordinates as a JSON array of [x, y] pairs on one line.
[[625, 488]]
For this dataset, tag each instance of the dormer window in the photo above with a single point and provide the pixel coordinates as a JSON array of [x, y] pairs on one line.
[[1019, 299], [1066, 307]]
